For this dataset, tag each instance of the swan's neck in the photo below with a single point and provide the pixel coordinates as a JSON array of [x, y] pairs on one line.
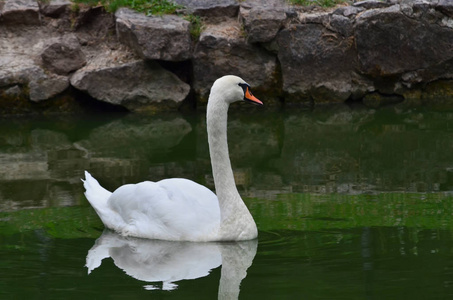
[[235, 219]]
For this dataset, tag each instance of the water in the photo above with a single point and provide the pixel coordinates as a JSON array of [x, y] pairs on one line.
[[350, 204]]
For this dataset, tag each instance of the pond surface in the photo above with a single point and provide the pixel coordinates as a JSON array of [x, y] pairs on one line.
[[349, 203]]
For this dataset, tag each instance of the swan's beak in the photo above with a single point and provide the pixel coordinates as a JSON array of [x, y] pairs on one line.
[[249, 97]]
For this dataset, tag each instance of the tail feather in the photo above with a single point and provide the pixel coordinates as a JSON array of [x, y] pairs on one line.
[[96, 194]]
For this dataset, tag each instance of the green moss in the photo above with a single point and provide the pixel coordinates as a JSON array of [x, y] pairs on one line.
[[59, 222], [312, 212]]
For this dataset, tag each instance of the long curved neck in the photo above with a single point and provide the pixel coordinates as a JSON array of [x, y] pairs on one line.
[[236, 222], [216, 118]]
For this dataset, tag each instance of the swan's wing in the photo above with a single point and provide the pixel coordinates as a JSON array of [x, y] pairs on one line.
[[171, 209]]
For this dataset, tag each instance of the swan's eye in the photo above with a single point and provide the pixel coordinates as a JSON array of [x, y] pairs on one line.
[[244, 87]]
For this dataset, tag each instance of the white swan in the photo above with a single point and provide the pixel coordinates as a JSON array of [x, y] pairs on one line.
[[179, 209]]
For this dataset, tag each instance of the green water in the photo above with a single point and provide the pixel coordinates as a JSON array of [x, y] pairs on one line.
[[349, 203]]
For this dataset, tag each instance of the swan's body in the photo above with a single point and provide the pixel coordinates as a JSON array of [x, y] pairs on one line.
[[179, 209]]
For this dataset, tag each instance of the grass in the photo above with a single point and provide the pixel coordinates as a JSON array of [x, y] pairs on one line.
[[196, 25], [148, 7], [153, 7]]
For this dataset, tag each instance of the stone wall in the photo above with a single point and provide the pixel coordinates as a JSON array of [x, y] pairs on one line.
[[376, 52]]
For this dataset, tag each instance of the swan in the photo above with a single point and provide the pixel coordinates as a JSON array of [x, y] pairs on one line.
[[179, 209]]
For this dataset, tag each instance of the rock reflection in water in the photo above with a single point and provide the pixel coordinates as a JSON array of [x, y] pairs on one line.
[[48, 156], [339, 149], [168, 262]]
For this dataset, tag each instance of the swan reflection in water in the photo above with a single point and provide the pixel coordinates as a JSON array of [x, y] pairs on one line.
[[169, 262]]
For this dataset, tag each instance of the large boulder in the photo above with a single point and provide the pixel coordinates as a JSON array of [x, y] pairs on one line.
[[318, 64], [390, 43], [222, 49], [137, 86], [164, 37]]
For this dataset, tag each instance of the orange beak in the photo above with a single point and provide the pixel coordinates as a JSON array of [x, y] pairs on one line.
[[249, 96]]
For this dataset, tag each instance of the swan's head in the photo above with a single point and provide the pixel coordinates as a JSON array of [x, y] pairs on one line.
[[232, 88]]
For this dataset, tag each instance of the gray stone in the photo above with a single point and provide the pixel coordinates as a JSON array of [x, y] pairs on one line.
[[156, 37], [138, 86], [41, 86], [389, 43], [446, 7], [318, 65], [210, 8], [371, 4], [20, 12], [314, 17], [222, 49], [54, 8], [262, 23], [340, 24], [13, 91], [16, 74], [47, 88], [348, 11], [63, 55]]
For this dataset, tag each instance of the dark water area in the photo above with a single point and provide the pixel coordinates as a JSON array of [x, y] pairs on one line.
[[349, 203]]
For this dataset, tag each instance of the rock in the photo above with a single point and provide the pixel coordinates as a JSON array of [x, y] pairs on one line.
[[156, 37], [87, 15], [32, 80], [210, 8], [348, 11], [48, 87], [389, 43], [14, 91], [331, 21], [63, 55], [315, 17], [54, 8], [318, 64], [138, 86], [340, 24], [20, 12], [262, 23], [446, 7], [222, 49], [371, 4]]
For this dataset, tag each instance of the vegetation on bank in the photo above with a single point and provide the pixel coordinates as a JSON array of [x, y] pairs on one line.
[[161, 7], [148, 7]]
